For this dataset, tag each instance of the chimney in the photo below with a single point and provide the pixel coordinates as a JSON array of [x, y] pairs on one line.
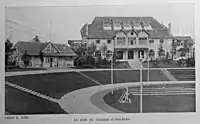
[[169, 28], [86, 29]]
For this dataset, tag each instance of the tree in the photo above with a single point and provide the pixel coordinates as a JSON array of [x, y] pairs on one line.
[[103, 49], [8, 51], [91, 49], [36, 39], [25, 58], [167, 56], [160, 50], [79, 51], [151, 54], [173, 49], [41, 58]]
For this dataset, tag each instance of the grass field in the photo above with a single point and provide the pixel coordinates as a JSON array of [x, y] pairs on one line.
[[58, 84], [183, 74], [18, 102], [54, 84], [154, 103], [121, 76]]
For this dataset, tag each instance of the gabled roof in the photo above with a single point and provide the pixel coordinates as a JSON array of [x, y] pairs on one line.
[[184, 38], [95, 29], [34, 48]]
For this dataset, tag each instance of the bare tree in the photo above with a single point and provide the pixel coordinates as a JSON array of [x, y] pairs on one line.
[[103, 49], [91, 49]]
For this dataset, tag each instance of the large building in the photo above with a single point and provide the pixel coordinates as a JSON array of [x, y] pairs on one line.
[[55, 55], [131, 37]]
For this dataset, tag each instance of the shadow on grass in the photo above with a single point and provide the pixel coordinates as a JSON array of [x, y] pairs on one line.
[[18, 102]]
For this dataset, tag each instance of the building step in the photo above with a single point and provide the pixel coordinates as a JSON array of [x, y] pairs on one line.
[[134, 63]]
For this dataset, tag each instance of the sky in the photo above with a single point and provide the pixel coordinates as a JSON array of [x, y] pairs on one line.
[[26, 22]]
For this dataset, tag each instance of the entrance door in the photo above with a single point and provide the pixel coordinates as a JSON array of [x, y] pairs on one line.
[[130, 54], [51, 62], [141, 54]]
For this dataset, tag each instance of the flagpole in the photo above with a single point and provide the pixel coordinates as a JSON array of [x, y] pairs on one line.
[[112, 74], [148, 67], [141, 85], [112, 61], [50, 30]]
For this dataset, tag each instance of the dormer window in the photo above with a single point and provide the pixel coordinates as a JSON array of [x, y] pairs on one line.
[[107, 25], [127, 25], [147, 25], [132, 33], [117, 25], [137, 25]]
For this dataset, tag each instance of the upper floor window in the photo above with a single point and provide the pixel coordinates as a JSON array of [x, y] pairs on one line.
[[147, 25], [127, 25], [117, 26], [107, 25], [132, 33], [131, 41], [137, 25], [121, 41], [97, 41], [161, 41], [151, 41], [142, 38], [109, 41]]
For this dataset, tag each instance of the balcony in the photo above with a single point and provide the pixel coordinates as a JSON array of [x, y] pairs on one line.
[[137, 44], [143, 42]]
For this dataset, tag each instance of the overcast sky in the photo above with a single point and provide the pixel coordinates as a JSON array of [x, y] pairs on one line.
[[67, 21]]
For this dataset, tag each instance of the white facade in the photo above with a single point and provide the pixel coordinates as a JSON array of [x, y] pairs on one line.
[[132, 43]]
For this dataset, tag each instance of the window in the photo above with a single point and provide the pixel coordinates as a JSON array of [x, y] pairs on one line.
[[161, 40], [108, 41], [119, 54], [48, 50], [151, 41], [132, 33], [98, 41], [127, 27], [142, 38], [130, 54], [98, 54], [151, 53], [47, 60], [131, 41], [121, 41]]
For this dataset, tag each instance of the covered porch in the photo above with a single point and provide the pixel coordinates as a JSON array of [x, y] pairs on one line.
[[126, 54]]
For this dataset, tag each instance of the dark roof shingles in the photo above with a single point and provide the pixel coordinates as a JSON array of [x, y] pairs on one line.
[[95, 29], [34, 48]]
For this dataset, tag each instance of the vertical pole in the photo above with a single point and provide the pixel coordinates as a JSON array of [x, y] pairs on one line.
[[112, 60], [50, 30], [141, 86], [148, 68], [112, 72]]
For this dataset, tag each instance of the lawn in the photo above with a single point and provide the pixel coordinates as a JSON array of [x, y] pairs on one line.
[[120, 76], [151, 104], [53, 84], [24, 69], [18, 102], [183, 74], [160, 65], [58, 84]]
